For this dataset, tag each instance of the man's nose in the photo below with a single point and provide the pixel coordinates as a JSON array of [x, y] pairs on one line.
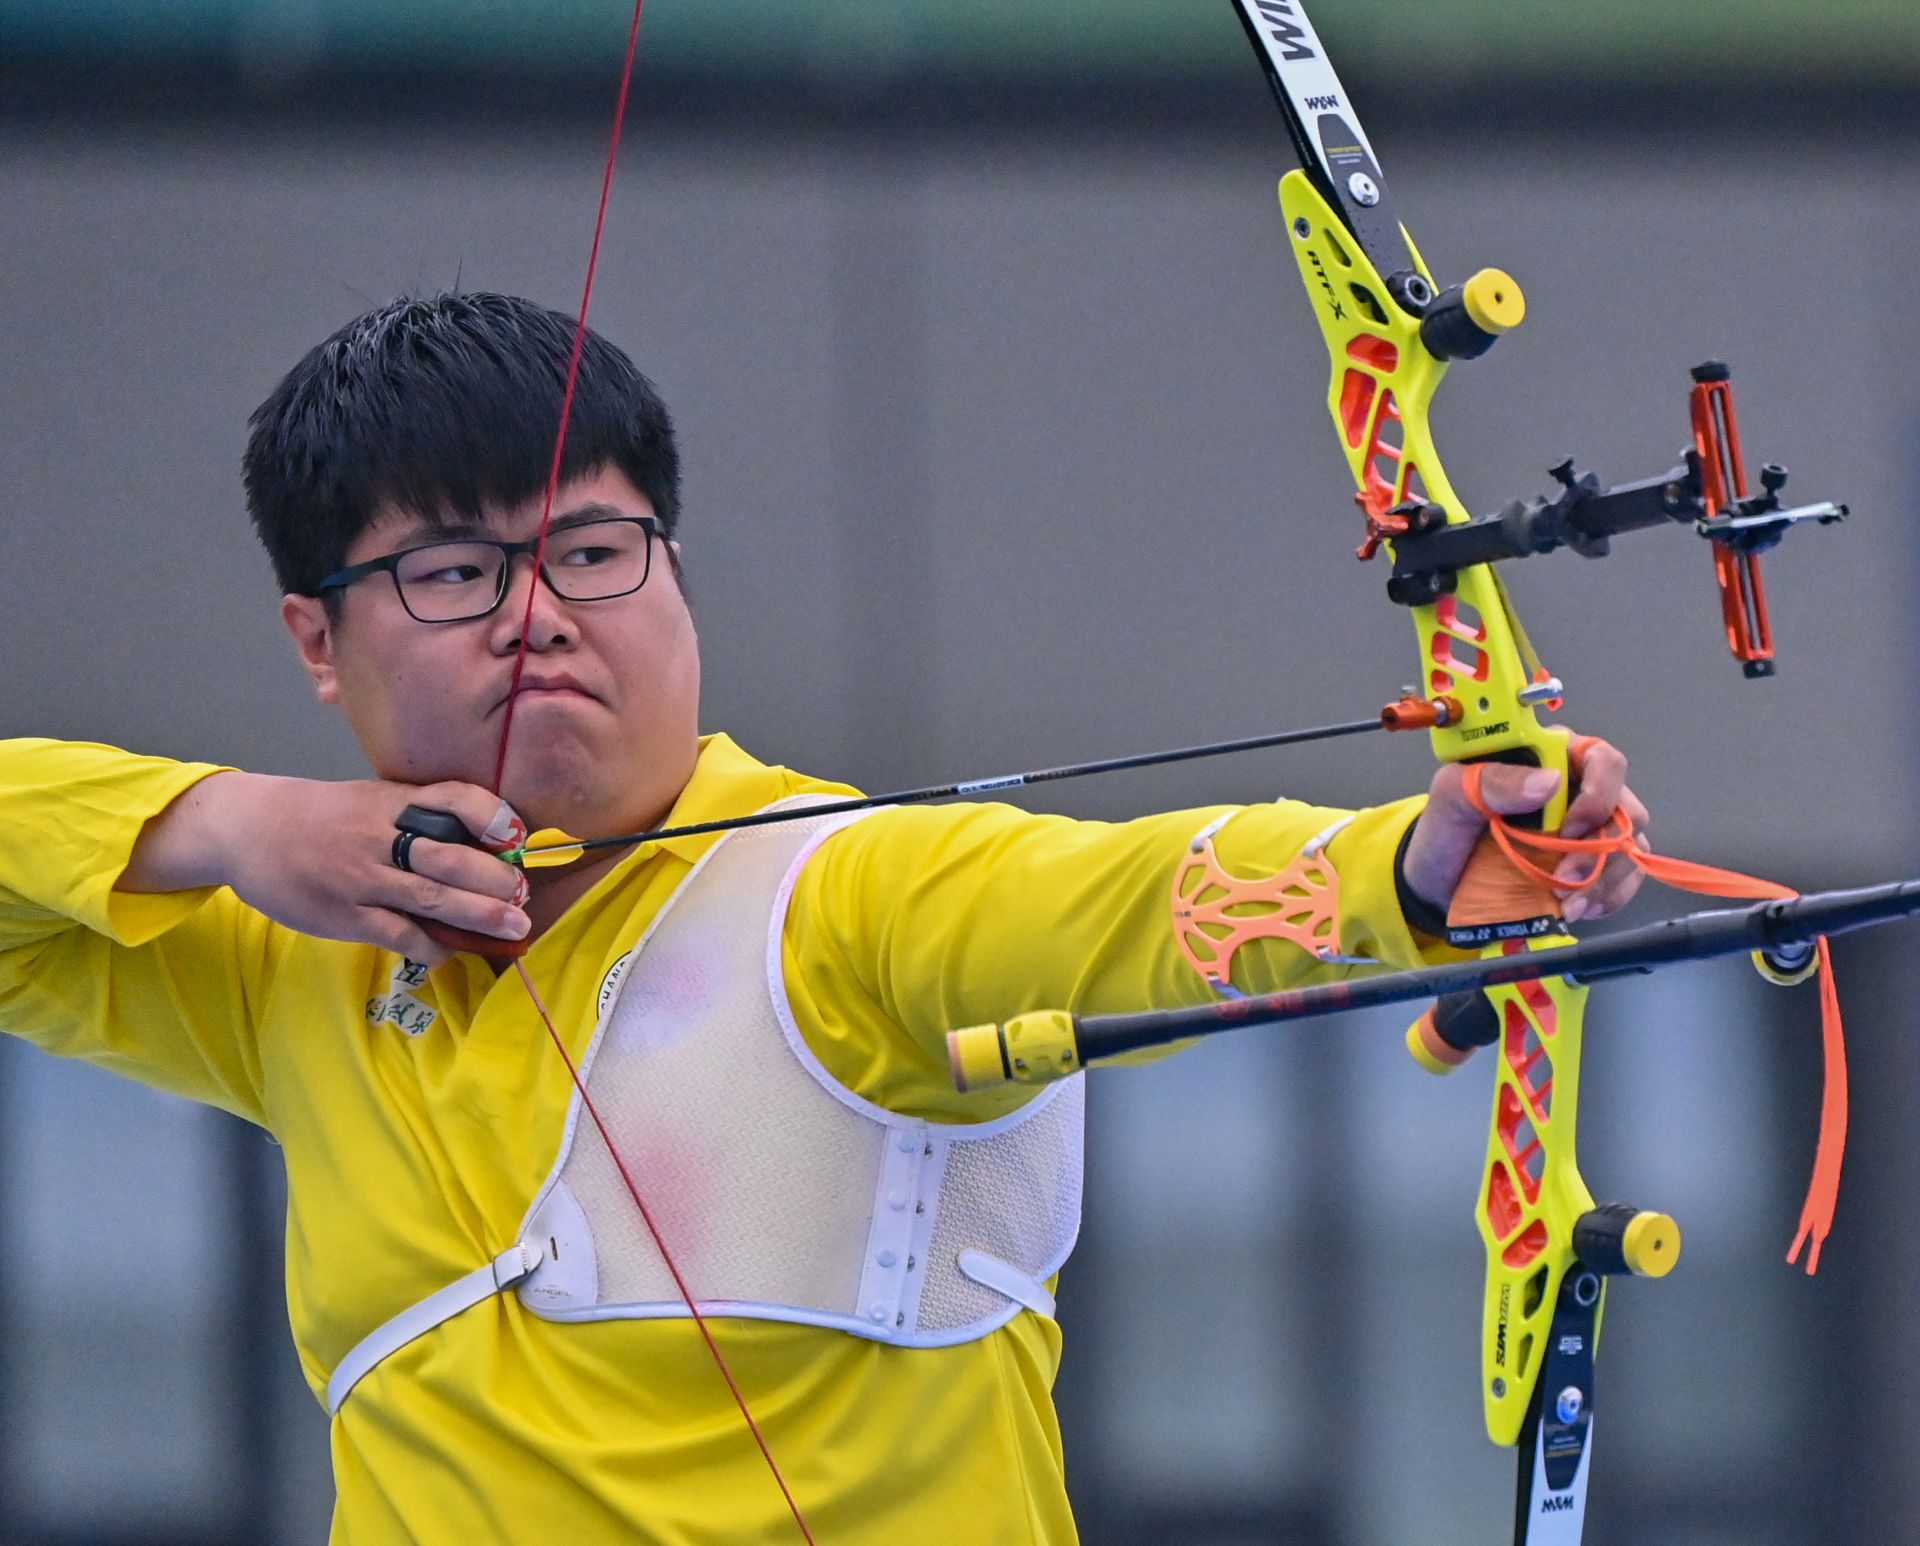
[[547, 620]]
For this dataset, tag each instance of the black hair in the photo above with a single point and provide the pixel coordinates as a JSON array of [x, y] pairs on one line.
[[440, 407]]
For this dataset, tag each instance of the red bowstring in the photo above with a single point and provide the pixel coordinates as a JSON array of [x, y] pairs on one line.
[[500, 766], [1823, 1187], [566, 396], [679, 1282]]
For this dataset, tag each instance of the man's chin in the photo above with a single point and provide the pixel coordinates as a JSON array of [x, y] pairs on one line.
[[554, 784]]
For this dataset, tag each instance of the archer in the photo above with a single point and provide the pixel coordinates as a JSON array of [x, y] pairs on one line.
[[759, 1016]]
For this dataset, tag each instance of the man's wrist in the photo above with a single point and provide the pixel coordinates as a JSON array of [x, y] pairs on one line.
[[1422, 916]]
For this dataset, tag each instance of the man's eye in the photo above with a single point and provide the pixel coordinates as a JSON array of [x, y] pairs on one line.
[[587, 557], [450, 574]]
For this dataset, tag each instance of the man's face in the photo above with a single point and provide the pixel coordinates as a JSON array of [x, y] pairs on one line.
[[605, 722]]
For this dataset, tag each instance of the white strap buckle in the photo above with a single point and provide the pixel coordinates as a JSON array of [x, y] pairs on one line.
[[1004, 1278], [500, 1274]]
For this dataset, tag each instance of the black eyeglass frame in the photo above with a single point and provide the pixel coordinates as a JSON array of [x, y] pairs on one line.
[[389, 563]]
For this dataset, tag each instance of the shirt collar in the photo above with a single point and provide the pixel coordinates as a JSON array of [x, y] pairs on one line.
[[726, 782]]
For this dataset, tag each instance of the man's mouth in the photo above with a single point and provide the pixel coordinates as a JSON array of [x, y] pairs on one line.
[[536, 685]]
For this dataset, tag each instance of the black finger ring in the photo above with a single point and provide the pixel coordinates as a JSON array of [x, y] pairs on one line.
[[402, 849]]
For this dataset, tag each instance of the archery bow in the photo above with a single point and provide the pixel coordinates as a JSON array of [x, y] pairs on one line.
[[1391, 334], [1390, 338]]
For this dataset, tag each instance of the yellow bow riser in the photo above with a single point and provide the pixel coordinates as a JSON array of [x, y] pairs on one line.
[[1531, 1193], [1476, 657], [1473, 651]]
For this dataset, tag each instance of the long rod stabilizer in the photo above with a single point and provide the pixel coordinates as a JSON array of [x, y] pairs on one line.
[[1051, 1044]]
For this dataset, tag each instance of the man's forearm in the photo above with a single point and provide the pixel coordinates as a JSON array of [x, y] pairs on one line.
[[182, 848]]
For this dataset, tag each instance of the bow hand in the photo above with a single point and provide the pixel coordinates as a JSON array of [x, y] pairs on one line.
[[1453, 825]]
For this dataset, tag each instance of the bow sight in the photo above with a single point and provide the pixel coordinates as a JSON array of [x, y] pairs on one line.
[[1707, 490]]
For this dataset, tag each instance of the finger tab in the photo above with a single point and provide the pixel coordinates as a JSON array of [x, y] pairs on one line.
[[436, 826], [486, 946], [506, 830]]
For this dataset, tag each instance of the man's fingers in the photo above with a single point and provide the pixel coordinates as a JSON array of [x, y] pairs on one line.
[[1636, 816], [467, 869], [425, 897], [1601, 769], [493, 823], [1446, 832], [1588, 889], [452, 883], [1573, 869], [1618, 885], [400, 934], [1611, 892]]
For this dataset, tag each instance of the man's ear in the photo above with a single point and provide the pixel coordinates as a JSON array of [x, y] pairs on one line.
[[312, 630]]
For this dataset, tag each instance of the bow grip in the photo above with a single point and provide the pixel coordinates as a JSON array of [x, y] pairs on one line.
[[438, 826]]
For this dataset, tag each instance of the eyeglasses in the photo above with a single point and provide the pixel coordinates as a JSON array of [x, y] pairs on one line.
[[466, 577]]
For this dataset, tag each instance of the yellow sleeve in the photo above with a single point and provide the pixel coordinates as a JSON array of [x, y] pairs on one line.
[[160, 987], [923, 919]]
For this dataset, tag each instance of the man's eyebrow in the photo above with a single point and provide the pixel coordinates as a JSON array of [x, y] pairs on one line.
[[593, 510], [423, 529], [426, 528]]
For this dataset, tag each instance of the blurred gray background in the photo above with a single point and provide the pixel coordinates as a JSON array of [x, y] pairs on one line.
[[1006, 442]]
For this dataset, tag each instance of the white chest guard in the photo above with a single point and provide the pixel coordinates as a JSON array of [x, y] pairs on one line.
[[781, 1194]]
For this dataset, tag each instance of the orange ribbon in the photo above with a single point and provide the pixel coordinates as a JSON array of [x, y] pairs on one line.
[[1617, 840]]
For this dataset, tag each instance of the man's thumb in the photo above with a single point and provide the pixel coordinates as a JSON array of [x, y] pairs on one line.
[[1511, 791]]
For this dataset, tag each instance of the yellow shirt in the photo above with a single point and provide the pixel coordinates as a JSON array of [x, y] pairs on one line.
[[416, 1130]]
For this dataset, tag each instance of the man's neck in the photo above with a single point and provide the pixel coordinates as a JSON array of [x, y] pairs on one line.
[[555, 890]]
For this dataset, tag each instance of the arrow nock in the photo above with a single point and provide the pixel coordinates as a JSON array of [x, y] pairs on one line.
[[546, 849]]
